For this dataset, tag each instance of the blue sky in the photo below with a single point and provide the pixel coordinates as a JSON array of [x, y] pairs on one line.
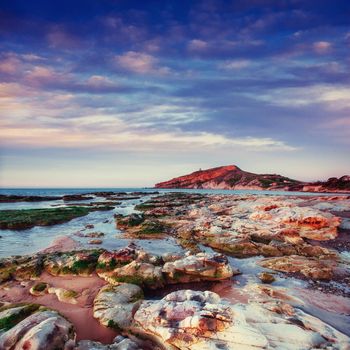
[[129, 93]]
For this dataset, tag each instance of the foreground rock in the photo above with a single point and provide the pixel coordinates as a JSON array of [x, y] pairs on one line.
[[35, 328], [114, 306], [201, 320]]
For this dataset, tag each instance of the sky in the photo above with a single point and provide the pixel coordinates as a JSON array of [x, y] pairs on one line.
[[118, 93]]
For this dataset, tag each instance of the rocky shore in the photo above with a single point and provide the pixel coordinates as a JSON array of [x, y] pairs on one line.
[[255, 272]]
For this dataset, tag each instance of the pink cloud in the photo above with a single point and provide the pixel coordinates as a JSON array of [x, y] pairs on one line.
[[322, 46], [98, 80], [139, 62], [197, 45], [10, 65]]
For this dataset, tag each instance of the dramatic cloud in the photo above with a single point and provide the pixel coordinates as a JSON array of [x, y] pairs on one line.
[[263, 84]]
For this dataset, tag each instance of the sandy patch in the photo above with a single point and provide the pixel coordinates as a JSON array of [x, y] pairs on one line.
[[62, 244], [79, 314]]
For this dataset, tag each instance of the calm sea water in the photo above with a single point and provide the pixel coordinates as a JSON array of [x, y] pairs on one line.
[[63, 191]]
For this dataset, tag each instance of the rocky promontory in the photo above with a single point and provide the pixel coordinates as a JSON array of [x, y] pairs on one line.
[[231, 177]]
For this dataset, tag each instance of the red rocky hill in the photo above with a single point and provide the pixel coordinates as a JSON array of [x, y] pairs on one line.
[[232, 177]]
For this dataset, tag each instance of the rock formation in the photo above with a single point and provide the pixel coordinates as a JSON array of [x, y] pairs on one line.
[[231, 177]]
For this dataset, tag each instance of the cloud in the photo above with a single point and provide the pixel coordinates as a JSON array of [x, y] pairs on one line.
[[10, 65], [322, 47], [133, 140], [140, 63], [234, 64], [332, 98], [197, 45]]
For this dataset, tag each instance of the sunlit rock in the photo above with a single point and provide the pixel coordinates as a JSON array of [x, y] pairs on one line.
[[199, 267]]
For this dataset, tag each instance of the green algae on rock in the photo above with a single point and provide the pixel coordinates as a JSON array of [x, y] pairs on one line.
[[12, 314], [22, 219], [82, 263]]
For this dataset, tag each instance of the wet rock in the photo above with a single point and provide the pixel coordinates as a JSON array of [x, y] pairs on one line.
[[266, 277], [76, 197], [131, 220], [199, 267], [94, 234], [41, 329], [114, 306], [312, 268], [95, 241], [14, 198]]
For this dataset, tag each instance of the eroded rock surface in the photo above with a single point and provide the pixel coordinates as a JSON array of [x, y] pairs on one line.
[[201, 320]]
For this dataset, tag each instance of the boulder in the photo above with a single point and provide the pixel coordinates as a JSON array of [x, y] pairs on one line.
[[41, 329], [199, 267], [114, 306], [266, 277]]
